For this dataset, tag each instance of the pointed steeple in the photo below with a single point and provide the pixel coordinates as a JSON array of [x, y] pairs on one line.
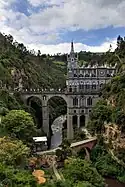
[[72, 47], [72, 58]]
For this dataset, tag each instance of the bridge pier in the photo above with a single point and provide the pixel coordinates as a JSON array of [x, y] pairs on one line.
[[70, 131], [45, 115], [78, 121], [86, 119]]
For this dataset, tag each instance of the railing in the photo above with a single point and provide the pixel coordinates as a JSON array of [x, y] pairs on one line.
[[84, 89], [42, 91]]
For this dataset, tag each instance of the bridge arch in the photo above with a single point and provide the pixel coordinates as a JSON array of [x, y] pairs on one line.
[[57, 111], [30, 98], [35, 106], [48, 97], [44, 98], [84, 152]]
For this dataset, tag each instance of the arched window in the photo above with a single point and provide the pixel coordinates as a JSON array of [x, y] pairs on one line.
[[93, 75], [83, 86], [93, 85], [87, 75], [101, 85], [80, 75], [75, 88], [75, 75], [82, 102], [90, 111], [82, 111], [80, 87], [89, 101], [87, 86], [44, 97], [82, 121], [74, 121], [108, 75], [70, 89], [75, 101]]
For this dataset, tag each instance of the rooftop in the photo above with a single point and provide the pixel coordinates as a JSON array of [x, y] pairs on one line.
[[40, 139]]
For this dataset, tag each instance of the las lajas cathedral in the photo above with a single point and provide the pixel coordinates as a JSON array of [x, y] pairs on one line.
[[83, 87]]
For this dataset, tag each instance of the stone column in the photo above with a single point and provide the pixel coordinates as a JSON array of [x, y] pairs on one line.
[[86, 119], [78, 121], [70, 132], [79, 102], [45, 116]]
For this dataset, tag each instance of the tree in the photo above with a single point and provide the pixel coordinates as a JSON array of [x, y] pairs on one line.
[[9, 176], [83, 184], [39, 53], [63, 183], [13, 152], [78, 170], [19, 124], [119, 41], [100, 114]]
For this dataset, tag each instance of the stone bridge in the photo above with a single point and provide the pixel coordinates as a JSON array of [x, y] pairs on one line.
[[44, 96], [82, 91], [89, 144]]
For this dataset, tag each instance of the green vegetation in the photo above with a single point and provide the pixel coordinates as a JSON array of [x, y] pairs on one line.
[[15, 177], [18, 124], [78, 170], [105, 165], [107, 121], [13, 152]]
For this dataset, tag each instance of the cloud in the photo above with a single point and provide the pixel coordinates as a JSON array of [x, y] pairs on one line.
[[45, 2], [42, 29], [80, 14], [65, 47]]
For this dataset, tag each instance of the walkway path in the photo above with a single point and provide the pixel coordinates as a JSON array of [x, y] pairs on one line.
[[51, 151]]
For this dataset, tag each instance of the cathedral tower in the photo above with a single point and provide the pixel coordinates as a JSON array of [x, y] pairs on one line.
[[72, 59]]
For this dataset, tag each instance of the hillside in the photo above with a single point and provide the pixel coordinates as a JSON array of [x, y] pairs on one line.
[[35, 70], [20, 67], [39, 71], [107, 120]]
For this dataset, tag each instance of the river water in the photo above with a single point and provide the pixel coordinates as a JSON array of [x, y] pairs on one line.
[[56, 140], [113, 183], [57, 125]]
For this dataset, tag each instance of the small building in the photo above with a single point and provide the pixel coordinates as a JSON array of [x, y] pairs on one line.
[[40, 143]]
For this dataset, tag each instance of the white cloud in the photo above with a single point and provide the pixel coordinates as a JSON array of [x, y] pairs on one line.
[[45, 2], [83, 14], [43, 27], [65, 47]]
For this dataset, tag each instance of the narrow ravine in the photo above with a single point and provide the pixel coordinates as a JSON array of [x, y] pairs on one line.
[[56, 140]]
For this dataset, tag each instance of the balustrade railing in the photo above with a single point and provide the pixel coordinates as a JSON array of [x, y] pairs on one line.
[[79, 90]]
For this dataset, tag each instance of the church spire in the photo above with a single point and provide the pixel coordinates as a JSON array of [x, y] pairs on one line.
[[72, 47]]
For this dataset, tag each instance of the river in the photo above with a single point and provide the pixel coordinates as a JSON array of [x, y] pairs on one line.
[[56, 140], [57, 125], [113, 183]]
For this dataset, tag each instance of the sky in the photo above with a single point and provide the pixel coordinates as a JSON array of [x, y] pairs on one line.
[[50, 25]]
